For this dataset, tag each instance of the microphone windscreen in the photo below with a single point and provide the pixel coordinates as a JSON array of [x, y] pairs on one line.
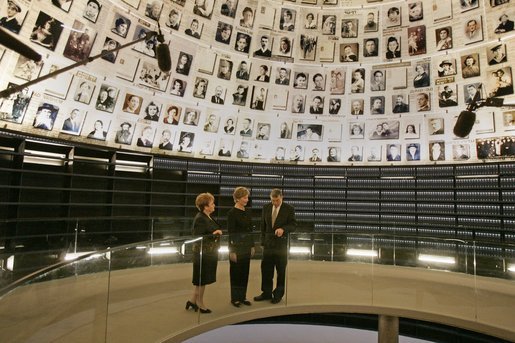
[[464, 124], [164, 61], [11, 43]]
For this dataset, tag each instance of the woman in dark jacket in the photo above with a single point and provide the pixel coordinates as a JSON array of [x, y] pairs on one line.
[[204, 265], [241, 246]]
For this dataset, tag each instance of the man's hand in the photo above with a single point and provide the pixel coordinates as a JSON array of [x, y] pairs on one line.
[[279, 232], [217, 232], [233, 257]]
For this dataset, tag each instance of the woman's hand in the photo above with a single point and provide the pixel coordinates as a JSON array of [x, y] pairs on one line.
[[252, 252], [217, 232]]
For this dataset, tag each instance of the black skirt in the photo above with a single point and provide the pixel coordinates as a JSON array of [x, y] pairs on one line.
[[204, 272]]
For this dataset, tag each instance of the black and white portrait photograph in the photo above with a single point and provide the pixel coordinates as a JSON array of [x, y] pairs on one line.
[[350, 28], [392, 16], [46, 31], [400, 103], [84, 90], [146, 46], [378, 80], [460, 152], [436, 126], [470, 90], [508, 120], [422, 75], [357, 130], [473, 30], [146, 134], [228, 8], [124, 132], [92, 10], [121, 25], [298, 103], [328, 24], [245, 127], [72, 125], [500, 82], [184, 61], [337, 85], [287, 20], [334, 106], [446, 67], [106, 99], [467, 5], [80, 42], [309, 132], [411, 130], [310, 20], [496, 54], [263, 131], [447, 95], [229, 124], [239, 96], [506, 24], [413, 152], [225, 147], [371, 47], [264, 49], [308, 47], [284, 47], [377, 105], [333, 154], [393, 152], [243, 70], [191, 116], [393, 47], [152, 111], [13, 108], [12, 15], [437, 151], [242, 43], [195, 29], [417, 40], [358, 81], [223, 33], [349, 52], [356, 107], [178, 87], [212, 123], [247, 17], [470, 65], [218, 96], [381, 129], [374, 153], [45, 116], [107, 51], [153, 9], [166, 140], [282, 76], [172, 115], [371, 21], [173, 20], [200, 88], [443, 38], [26, 68], [224, 69], [415, 11], [96, 127], [204, 8], [258, 100], [151, 76], [317, 105], [423, 102]]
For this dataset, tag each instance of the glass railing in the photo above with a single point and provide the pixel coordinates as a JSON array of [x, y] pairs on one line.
[[138, 292]]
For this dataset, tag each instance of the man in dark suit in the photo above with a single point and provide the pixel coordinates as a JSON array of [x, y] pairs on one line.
[[263, 50], [10, 21], [277, 221]]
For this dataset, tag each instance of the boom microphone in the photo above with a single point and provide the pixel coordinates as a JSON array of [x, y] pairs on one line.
[[164, 61], [467, 118], [12, 43]]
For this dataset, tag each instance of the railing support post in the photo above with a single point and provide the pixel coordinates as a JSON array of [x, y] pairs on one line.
[[388, 329]]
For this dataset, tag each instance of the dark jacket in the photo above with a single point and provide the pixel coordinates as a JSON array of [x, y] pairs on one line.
[[285, 220]]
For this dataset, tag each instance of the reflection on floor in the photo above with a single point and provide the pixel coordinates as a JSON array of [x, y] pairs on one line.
[[287, 333]]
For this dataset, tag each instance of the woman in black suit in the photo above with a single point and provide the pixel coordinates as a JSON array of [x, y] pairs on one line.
[[204, 268], [241, 246]]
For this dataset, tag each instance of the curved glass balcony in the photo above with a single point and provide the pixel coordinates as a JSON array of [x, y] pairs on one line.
[[138, 292]]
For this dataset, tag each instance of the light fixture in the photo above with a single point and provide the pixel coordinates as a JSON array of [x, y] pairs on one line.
[[436, 259], [74, 255], [224, 249], [300, 250], [362, 252], [163, 251], [511, 268]]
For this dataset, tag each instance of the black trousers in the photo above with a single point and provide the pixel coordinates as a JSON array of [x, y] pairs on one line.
[[273, 258], [239, 275]]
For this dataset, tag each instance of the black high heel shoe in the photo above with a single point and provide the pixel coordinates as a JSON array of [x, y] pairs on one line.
[[235, 303], [192, 305], [204, 310]]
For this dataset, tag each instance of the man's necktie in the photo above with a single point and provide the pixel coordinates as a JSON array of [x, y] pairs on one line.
[[274, 215]]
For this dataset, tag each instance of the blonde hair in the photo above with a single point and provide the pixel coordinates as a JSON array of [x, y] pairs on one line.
[[240, 192], [203, 200]]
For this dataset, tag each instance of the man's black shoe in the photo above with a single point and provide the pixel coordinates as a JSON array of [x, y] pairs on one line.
[[276, 300], [262, 297]]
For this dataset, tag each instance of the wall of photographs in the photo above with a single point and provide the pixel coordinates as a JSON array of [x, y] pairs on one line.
[[305, 81]]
